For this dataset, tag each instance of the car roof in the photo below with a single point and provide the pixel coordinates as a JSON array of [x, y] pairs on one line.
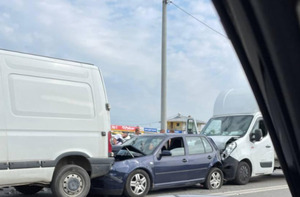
[[172, 134]]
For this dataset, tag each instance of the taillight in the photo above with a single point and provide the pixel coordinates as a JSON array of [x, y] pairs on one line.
[[110, 153]]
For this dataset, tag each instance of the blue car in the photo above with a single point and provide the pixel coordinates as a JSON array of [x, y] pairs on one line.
[[151, 162]]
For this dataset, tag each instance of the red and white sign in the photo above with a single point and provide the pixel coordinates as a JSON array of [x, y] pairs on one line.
[[123, 128]]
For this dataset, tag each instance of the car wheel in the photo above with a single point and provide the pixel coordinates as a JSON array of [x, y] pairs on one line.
[[71, 181], [137, 184], [214, 179], [243, 174], [28, 190]]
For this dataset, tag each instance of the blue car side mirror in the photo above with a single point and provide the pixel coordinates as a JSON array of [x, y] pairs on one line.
[[166, 153]]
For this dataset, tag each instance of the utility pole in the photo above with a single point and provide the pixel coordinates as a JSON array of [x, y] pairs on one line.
[[164, 67]]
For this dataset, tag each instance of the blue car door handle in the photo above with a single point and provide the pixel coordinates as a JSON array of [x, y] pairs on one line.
[[208, 157], [184, 160]]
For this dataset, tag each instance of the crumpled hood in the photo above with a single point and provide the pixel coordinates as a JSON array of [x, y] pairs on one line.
[[132, 148], [221, 141]]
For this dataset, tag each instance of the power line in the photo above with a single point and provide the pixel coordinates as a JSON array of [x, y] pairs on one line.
[[198, 20]]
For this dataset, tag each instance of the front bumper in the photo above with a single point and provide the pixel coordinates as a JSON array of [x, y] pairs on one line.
[[229, 168]]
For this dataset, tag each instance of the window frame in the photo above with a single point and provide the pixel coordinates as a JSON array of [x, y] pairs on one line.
[[212, 148], [256, 126]]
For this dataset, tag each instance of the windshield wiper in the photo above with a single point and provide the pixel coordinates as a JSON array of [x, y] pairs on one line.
[[129, 152]]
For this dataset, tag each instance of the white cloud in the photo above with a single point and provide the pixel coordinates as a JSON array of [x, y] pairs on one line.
[[124, 39]]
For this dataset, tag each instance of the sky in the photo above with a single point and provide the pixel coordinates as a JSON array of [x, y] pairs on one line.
[[123, 38]]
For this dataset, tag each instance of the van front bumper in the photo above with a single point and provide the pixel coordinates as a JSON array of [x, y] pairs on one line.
[[229, 168], [100, 167]]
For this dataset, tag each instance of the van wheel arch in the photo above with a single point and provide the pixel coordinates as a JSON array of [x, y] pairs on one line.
[[79, 160]]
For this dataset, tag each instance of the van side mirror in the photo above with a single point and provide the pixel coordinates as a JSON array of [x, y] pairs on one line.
[[191, 126], [256, 136]]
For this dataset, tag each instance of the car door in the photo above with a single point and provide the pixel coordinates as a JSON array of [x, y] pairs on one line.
[[262, 151], [171, 169], [200, 154]]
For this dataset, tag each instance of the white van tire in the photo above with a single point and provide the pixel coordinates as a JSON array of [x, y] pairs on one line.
[[70, 181], [28, 190], [243, 173]]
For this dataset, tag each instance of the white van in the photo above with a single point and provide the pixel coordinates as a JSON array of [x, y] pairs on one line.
[[238, 129], [54, 123]]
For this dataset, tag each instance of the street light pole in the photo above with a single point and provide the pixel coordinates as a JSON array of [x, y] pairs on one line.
[[164, 67]]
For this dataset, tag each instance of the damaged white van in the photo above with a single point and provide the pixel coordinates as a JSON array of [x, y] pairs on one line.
[[54, 124], [238, 129]]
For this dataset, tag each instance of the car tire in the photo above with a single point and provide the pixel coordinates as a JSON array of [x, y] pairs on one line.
[[214, 179], [137, 184], [243, 174], [71, 181], [28, 189]]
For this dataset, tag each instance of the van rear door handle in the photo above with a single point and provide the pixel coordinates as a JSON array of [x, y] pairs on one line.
[[268, 146], [208, 157], [184, 160]]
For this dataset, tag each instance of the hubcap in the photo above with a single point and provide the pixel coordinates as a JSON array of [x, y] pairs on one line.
[[244, 173], [73, 184], [215, 180], [138, 184]]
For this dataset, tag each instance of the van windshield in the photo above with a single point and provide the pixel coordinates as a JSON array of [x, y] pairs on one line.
[[227, 126]]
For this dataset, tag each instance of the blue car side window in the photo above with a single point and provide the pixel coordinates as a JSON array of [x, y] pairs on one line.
[[177, 151], [176, 146], [195, 145], [207, 145]]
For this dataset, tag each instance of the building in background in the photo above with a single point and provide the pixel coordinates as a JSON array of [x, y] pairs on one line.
[[178, 123]]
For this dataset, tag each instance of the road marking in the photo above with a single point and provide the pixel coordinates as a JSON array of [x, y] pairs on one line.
[[249, 191]]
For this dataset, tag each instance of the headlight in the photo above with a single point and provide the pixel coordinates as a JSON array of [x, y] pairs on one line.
[[228, 150]]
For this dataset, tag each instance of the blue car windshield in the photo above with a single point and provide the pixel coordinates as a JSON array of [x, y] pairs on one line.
[[227, 126], [145, 144]]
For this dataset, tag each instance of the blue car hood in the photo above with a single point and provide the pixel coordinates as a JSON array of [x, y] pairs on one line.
[[128, 165]]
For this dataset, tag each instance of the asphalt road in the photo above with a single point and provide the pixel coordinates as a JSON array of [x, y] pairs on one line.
[[264, 186]]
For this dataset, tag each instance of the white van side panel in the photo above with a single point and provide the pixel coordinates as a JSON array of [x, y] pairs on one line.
[[24, 176], [104, 121], [49, 101], [63, 99], [3, 149], [3, 137]]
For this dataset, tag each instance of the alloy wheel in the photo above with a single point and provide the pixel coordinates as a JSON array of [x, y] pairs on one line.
[[138, 184], [215, 180]]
